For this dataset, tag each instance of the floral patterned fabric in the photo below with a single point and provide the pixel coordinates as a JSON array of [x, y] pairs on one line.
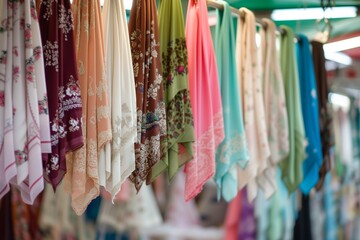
[[65, 106], [179, 119], [151, 111], [205, 99], [117, 161], [82, 177], [25, 125]]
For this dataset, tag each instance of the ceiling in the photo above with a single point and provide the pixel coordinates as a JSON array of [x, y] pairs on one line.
[[278, 4], [263, 8]]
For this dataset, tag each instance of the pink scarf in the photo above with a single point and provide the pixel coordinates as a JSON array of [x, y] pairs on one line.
[[205, 99]]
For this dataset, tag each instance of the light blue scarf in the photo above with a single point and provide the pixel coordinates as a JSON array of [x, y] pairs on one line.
[[232, 152]]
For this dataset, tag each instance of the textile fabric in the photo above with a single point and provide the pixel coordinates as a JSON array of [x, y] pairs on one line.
[[64, 95], [179, 118], [117, 159], [275, 108], [82, 177], [232, 152], [325, 113], [23, 100], [248, 60], [292, 173], [151, 110], [205, 98], [310, 110]]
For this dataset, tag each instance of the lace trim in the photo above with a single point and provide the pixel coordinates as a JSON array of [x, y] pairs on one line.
[[202, 168], [236, 145], [212, 137]]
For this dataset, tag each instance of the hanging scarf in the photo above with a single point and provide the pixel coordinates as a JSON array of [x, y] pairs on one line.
[[179, 119], [62, 83], [151, 129], [249, 73], [232, 152], [23, 100], [205, 99], [310, 110], [325, 114], [275, 108], [291, 167], [117, 161], [82, 178]]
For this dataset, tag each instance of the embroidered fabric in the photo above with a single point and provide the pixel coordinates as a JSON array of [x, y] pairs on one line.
[[82, 177], [56, 22], [205, 158], [179, 119], [233, 151], [117, 160], [151, 112]]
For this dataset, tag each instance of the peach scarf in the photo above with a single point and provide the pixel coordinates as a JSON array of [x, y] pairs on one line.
[[82, 178]]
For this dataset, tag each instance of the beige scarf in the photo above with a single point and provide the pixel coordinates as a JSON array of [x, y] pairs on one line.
[[249, 71]]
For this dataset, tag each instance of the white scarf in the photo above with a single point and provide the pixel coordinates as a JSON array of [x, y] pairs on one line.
[[117, 160]]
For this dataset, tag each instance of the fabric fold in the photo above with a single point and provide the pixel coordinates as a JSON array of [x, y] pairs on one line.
[[325, 113], [232, 152], [150, 101], [25, 125], [248, 60], [291, 167], [275, 107], [117, 160], [65, 106], [82, 177], [205, 99], [310, 110], [179, 118]]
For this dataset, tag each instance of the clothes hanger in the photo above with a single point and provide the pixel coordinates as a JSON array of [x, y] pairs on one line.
[[323, 27]]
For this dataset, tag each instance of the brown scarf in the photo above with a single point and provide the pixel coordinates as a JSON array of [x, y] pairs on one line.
[[324, 110], [145, 49]]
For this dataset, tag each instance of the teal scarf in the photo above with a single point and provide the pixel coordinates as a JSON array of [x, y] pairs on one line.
[[232, 152]]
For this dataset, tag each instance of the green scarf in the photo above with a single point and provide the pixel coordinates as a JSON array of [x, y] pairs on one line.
[[292, 171], [179, 118]]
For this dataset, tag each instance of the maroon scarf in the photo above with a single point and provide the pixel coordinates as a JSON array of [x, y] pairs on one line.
[[65, 107]]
